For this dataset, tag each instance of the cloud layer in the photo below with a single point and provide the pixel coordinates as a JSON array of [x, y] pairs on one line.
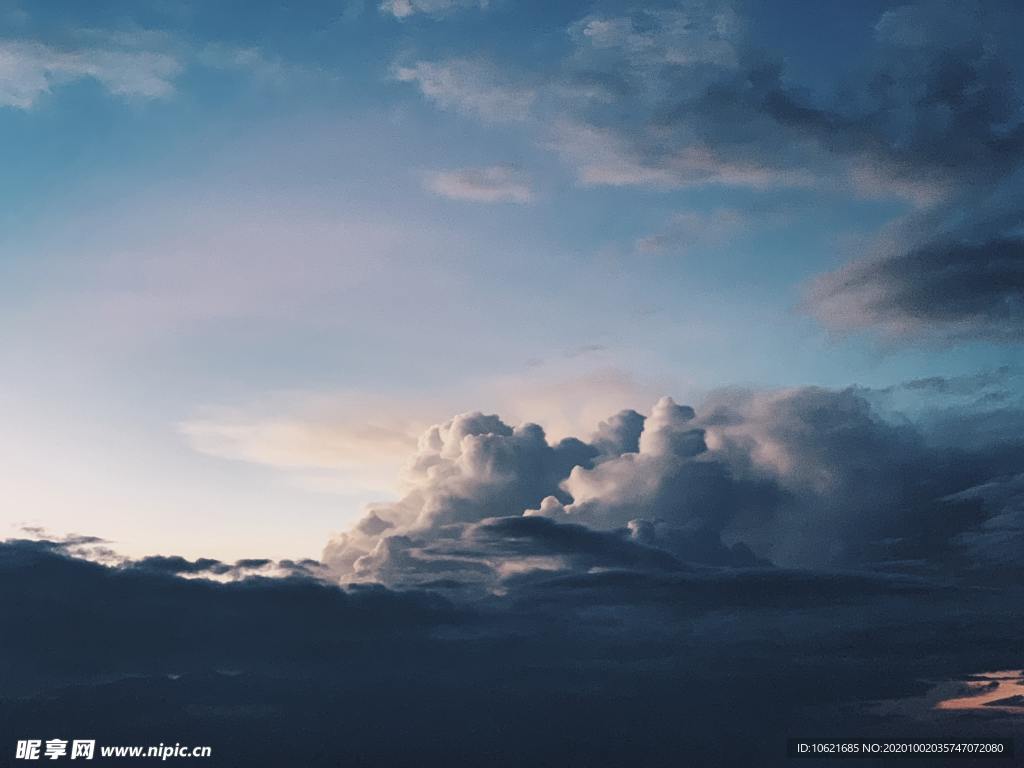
[[637, 664]]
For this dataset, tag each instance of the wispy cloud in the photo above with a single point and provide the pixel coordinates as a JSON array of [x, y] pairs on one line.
[[260, 66], [942, 290], [471, 87], [324, 444], [492, 184], [402, 9], [30, 70], [686, 230]]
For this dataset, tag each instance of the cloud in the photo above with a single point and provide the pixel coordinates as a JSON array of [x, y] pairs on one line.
[[851, 487], [130, 62], [953, 272], [566, 395], [93, 596], [522, 582], [669, 98], [295, 444], [253, 61], [469, 468], [345, 442], [403, 9], [471, 87], [804, 477], [582, 665], [691, 228], [984, 382], [672, 97], [675, 97], [661, 478], [339, 442], [687, 230], [605, 157], [690, 96], [31, 70], [1000, 538], [493, 184], [951, 290]]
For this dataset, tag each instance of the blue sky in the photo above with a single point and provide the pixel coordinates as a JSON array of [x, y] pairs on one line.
[[250, 250]]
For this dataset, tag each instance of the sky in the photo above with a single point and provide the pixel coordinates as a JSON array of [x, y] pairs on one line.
[[441, 382], [250, 252]]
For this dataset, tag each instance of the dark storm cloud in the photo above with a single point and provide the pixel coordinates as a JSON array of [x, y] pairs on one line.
[[175, 564], [710, 589], [623, 666], [208, 567], [76, 619]]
